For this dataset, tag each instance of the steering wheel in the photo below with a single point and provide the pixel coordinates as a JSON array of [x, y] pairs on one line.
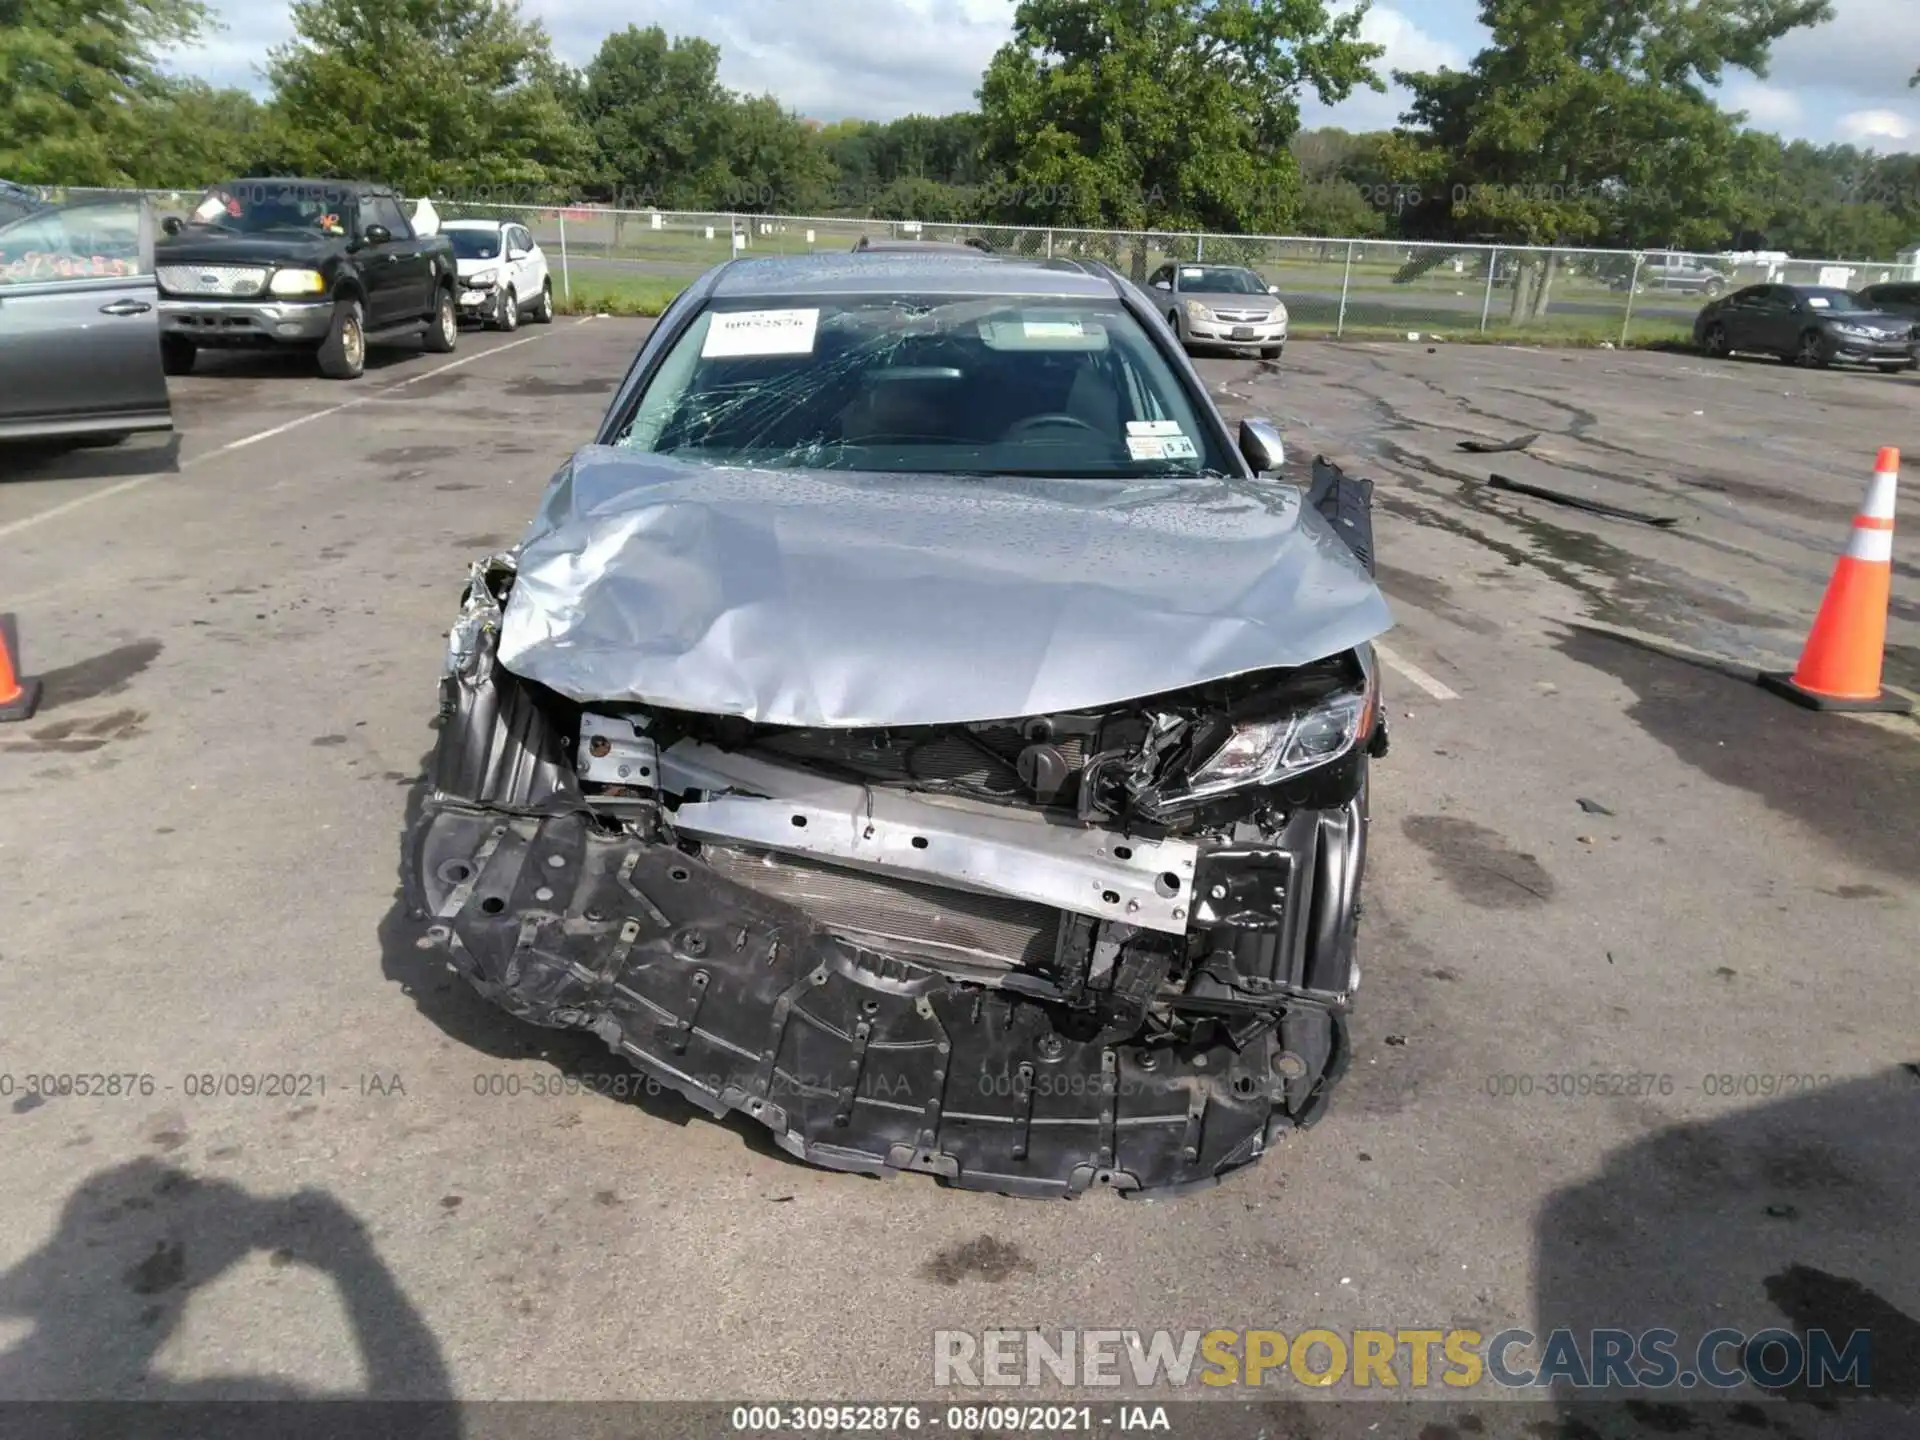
[[1038, 422]]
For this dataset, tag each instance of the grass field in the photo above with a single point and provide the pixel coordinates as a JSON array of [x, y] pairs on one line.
[[603, 294]]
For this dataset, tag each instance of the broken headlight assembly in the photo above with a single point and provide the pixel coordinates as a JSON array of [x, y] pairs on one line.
[[1268, 752]]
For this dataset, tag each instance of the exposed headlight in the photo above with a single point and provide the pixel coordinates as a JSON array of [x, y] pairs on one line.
[[1279, 749], [1197, 311], [1851, 329], [1279, 315], [482, 279], [298, 282]]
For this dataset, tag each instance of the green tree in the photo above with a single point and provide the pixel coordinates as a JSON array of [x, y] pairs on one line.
[[74, 75], [454, 97], [1590, 121], [1338, 207], [771, 160], [1168, 114], [190, 134], [657, 114]]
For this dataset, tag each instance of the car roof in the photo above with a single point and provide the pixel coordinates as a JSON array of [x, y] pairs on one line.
[[945, 272]]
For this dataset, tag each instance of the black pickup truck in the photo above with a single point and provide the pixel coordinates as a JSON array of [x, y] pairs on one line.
[[330, 266]]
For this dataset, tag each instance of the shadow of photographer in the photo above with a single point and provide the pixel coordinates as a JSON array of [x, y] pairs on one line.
[[111, 1286]]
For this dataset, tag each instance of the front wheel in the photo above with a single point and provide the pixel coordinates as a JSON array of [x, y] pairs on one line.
[[508, 316], [177, 354], [443, 331], [1809, 355], [1716, 341], [543, 312], [343, 354]]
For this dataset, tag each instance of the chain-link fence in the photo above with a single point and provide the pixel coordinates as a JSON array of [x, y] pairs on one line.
[[1338, 286], [1356, 288]]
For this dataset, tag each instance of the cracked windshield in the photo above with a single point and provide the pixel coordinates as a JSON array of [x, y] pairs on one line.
[[926, 385]]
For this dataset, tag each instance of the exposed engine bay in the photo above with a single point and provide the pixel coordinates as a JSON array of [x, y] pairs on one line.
[[1109, 947]]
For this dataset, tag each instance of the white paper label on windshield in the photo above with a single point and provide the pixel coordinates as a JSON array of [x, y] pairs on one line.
[[1819, 302], [1154, 427], [1053, 330], [1147, 447], [211, 206], [1178, 447], [760, 332], [1191, 272]]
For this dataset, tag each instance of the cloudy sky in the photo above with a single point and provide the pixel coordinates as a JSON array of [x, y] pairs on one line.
[[881, 58]]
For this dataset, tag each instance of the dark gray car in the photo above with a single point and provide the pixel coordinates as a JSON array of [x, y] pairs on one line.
[[1813, 325], [1222, 306], [915, 724], [79, 325]]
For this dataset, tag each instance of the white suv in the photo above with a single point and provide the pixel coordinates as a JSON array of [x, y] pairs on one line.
[[503, 274]]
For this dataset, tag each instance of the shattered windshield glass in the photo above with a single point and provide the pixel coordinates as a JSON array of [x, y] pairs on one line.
[[925, 385]]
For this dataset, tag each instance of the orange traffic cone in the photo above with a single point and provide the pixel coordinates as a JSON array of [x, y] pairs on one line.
[[1840, 668], [18, 698]]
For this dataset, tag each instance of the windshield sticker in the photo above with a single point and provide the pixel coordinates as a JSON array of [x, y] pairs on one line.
[[760, 332], [210, 207], [1147, 447], [1191, 272], [1154, 427], [1043, 335], [1178, 447], [1819, 302]]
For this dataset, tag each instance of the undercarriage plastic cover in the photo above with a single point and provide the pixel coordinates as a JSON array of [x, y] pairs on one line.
[[828, 598], [854, 1059]]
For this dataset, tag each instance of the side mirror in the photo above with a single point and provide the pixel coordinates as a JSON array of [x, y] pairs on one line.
[[1163, 285], [173, 225], [1262, 446], [377, 234], [1273, 289]]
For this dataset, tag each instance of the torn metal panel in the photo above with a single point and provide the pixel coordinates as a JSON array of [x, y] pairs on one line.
[[845, 599]]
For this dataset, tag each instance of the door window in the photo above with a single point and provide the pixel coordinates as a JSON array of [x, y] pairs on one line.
[[79, 242], [385, 210]]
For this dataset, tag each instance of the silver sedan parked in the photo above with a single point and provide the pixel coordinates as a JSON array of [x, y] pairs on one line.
[[1227, 306]]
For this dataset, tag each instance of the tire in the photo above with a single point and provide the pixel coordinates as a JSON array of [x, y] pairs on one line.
[[177, 354], [509, 317], [1715, 341], [542, 314], [443, 327], [1808, 355], [1271, 352], [343, 354], [1713, 289]]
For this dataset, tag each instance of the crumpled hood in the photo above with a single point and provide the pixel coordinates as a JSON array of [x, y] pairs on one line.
[[819, 598]]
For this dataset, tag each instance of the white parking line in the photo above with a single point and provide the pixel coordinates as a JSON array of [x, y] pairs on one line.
[[27, 522], [1405, 667]]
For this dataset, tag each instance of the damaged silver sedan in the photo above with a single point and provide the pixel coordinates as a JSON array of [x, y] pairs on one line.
[[916, 724]]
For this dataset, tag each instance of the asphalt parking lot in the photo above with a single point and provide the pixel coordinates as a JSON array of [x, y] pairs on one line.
[[1598, 850]]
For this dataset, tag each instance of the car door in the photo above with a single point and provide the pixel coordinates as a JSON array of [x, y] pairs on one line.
[[530, 270], [80, 324], [399, 275], [1783, 317]]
